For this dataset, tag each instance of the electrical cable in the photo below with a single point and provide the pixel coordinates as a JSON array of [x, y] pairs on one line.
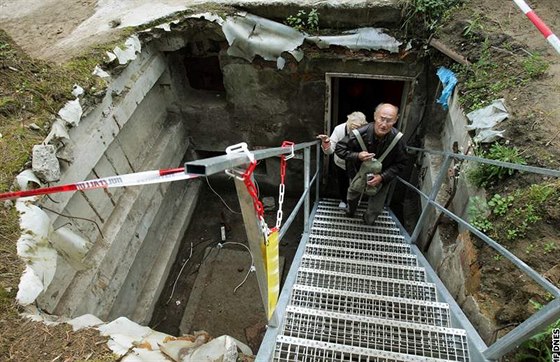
[[252, 268], [180, 271], [214, 191]]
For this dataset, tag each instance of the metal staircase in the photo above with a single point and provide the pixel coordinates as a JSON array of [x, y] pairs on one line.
[[359, 295]]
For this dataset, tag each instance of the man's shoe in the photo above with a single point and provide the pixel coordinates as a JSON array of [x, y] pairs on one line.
[[342, 205]]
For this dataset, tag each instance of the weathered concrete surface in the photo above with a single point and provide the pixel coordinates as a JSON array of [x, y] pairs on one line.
[[94, 21], [455, 260]]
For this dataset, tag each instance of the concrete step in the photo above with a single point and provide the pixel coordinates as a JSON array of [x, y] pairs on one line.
[[147, 276], [94, 290]]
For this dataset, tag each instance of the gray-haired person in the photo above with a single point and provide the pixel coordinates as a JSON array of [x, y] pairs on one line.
[[328, 144], [378, 137]]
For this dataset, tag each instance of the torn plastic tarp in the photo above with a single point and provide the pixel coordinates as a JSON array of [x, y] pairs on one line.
[[132, 46], [485, 119], [251, 35], [58, 132], [449, 80], [33, 247], [363, 38], [71, 112]]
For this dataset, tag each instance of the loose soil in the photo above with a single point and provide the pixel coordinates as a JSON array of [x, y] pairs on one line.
[[533, 127]]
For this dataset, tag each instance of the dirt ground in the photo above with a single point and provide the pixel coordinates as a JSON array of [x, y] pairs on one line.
[[52, 30], [504, 293], [204, 232]]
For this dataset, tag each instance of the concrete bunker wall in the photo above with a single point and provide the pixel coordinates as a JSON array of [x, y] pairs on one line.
[[454, 260], [133, 232], [152, 118]]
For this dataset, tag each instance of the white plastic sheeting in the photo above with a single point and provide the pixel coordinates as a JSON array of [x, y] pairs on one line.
[[33, 247], [71, 112], [250, 35], [132, 47], [363, 38], [484, 120]]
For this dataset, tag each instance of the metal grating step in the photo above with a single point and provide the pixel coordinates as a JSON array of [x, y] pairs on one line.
[[363, 255], [361, 304], [345, 282], [346, 226], [381, 221], [367, 268], [377, 334], [398, 246], [290, 349], [356, 235]]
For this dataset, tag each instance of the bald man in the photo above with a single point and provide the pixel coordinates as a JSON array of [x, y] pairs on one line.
[[377, 137]]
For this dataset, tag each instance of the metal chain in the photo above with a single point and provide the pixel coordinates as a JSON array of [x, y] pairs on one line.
[[257, 204], [282, 187]]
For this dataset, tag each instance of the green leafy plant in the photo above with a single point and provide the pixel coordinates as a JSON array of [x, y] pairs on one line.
[[486, 174], [472, 28], [535, 66], [549, 247], [304, 21], [500, 205], [539, 347], [498, 257], [478, 214], [426, 14]]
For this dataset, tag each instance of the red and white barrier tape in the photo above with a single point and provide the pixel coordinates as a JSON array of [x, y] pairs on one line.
[[131, 179], [543, 28]]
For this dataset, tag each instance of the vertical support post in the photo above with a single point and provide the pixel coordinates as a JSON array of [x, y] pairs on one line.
[[306, 164], [318, 171], [255, 238], [433, 194]]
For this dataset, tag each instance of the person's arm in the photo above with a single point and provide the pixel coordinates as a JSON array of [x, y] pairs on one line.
[[344, 149], [325, 143], [336, 136]]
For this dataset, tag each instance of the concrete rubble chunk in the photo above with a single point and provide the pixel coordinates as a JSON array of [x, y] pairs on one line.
[[45, 164]]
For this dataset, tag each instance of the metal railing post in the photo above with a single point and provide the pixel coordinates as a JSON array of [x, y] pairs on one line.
[[544, 317], [317, 171], [433, 194], [306, 165]]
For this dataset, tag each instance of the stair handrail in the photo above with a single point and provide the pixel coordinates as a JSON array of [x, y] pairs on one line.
[[539, 320]]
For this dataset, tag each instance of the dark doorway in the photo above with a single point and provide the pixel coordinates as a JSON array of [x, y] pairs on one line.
[[351, 94], [360, 94]]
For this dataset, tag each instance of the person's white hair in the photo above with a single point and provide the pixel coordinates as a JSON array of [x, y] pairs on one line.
[[355, 120]]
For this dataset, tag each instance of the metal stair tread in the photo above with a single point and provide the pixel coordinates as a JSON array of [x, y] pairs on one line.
[[354, 254], [308, 350], [380, 221], [373, 333], [372, 245], [360, 235], [363, 304], [363, 267], [372, 285], [356, 226]]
